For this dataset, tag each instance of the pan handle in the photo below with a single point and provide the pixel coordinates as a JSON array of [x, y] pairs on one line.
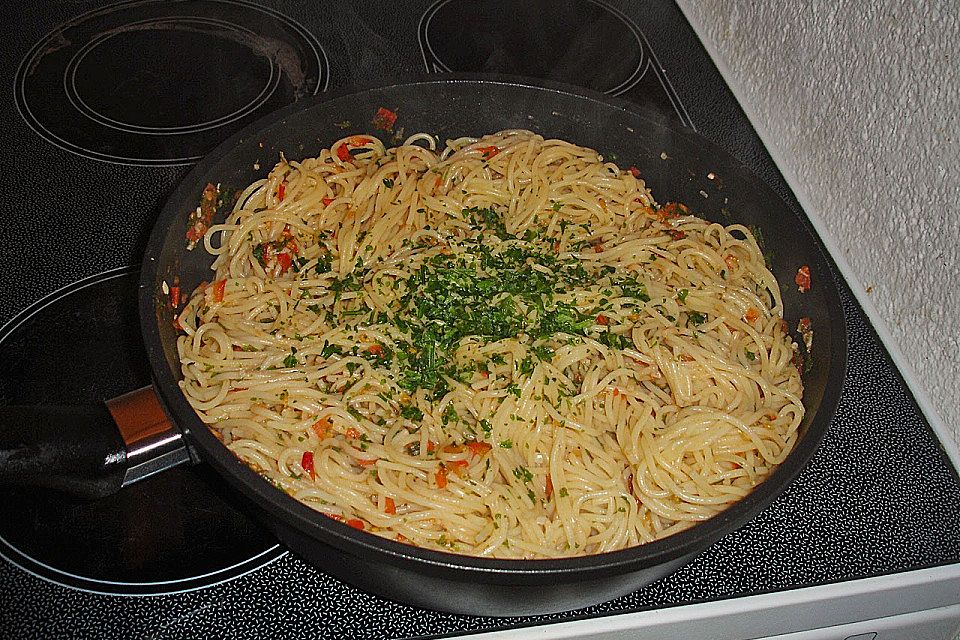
[[89, 451]]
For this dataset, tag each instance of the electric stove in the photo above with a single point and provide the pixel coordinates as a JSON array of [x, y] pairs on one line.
[[109, 107]]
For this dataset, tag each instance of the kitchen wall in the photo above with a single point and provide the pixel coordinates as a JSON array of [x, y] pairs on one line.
[[860, 105]]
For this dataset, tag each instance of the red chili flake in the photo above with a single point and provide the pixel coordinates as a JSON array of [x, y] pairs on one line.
[[176, 323], [676, 234], [803, 279], [356, 523], [282, 191], [479, 448], [803, 324], [389, 506], [376, 350], [674, 210], [327, 201], [548, 488], [343, 153], [174, 297], [401, 538], [285, 261], [384, 119], [352, 433], [634, 172], [598, 248], [307, 463], [219, 287], [441, 477], [367, 463], [431, 446], [488, 152], [751, 315], [603, 320]]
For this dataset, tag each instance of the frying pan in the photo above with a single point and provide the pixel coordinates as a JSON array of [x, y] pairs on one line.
[[80, 450]]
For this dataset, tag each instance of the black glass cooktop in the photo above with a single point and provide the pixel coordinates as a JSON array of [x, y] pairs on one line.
[[111, 104]]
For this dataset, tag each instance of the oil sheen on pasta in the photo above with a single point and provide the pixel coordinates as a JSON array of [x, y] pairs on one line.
[[502, 348]]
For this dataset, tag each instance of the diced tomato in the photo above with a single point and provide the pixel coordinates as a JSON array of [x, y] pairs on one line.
[[384, 119], [488, 152], [458, 466], [282, 191], [174, 297], [367, 463], [352, 433], [322, 427], [307, 463], [751, 315], [603, 320], [634, 172], [389, 506], [441, 477], [484, 374], [548, 489], [356, 523], [803, 279], [479, 448], [598, 248], [343, 153], [285, 261], [327, 201], [219, 287], [401, 538], [376, 350]]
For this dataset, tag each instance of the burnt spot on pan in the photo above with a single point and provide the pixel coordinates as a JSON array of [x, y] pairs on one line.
[[160, 83], [180, 530]]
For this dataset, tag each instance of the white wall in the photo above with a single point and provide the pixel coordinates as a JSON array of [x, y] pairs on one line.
[[860, 102]]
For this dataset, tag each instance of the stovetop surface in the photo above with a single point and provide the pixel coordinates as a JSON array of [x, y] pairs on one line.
[[110, 105]]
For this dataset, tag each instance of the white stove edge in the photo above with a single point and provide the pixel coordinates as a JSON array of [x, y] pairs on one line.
[[842, 609]]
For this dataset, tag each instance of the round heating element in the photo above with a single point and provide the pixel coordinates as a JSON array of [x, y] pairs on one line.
[[176, 531], [161, 83]]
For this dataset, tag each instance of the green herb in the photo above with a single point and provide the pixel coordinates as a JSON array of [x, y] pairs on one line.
[[411, 413], [291, 360], [388, 183], [486, 426], [506, 444], [751, 356], [522, 473], [696, 317], [682, 295], [563, 492]]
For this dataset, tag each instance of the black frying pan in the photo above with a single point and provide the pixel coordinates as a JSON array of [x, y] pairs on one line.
[[678, 166]]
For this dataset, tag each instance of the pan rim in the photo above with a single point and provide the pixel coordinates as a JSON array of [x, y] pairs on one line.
[[325, 530]]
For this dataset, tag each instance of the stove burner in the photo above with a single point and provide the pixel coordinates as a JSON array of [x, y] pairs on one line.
[[177, 531], [581, 42], [158, 83], [585, 42]]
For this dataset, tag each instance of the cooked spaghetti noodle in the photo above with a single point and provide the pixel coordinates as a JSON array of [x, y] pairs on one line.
[[502, 348]]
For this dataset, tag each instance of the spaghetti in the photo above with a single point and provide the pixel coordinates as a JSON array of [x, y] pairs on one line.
[[502, 348]]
